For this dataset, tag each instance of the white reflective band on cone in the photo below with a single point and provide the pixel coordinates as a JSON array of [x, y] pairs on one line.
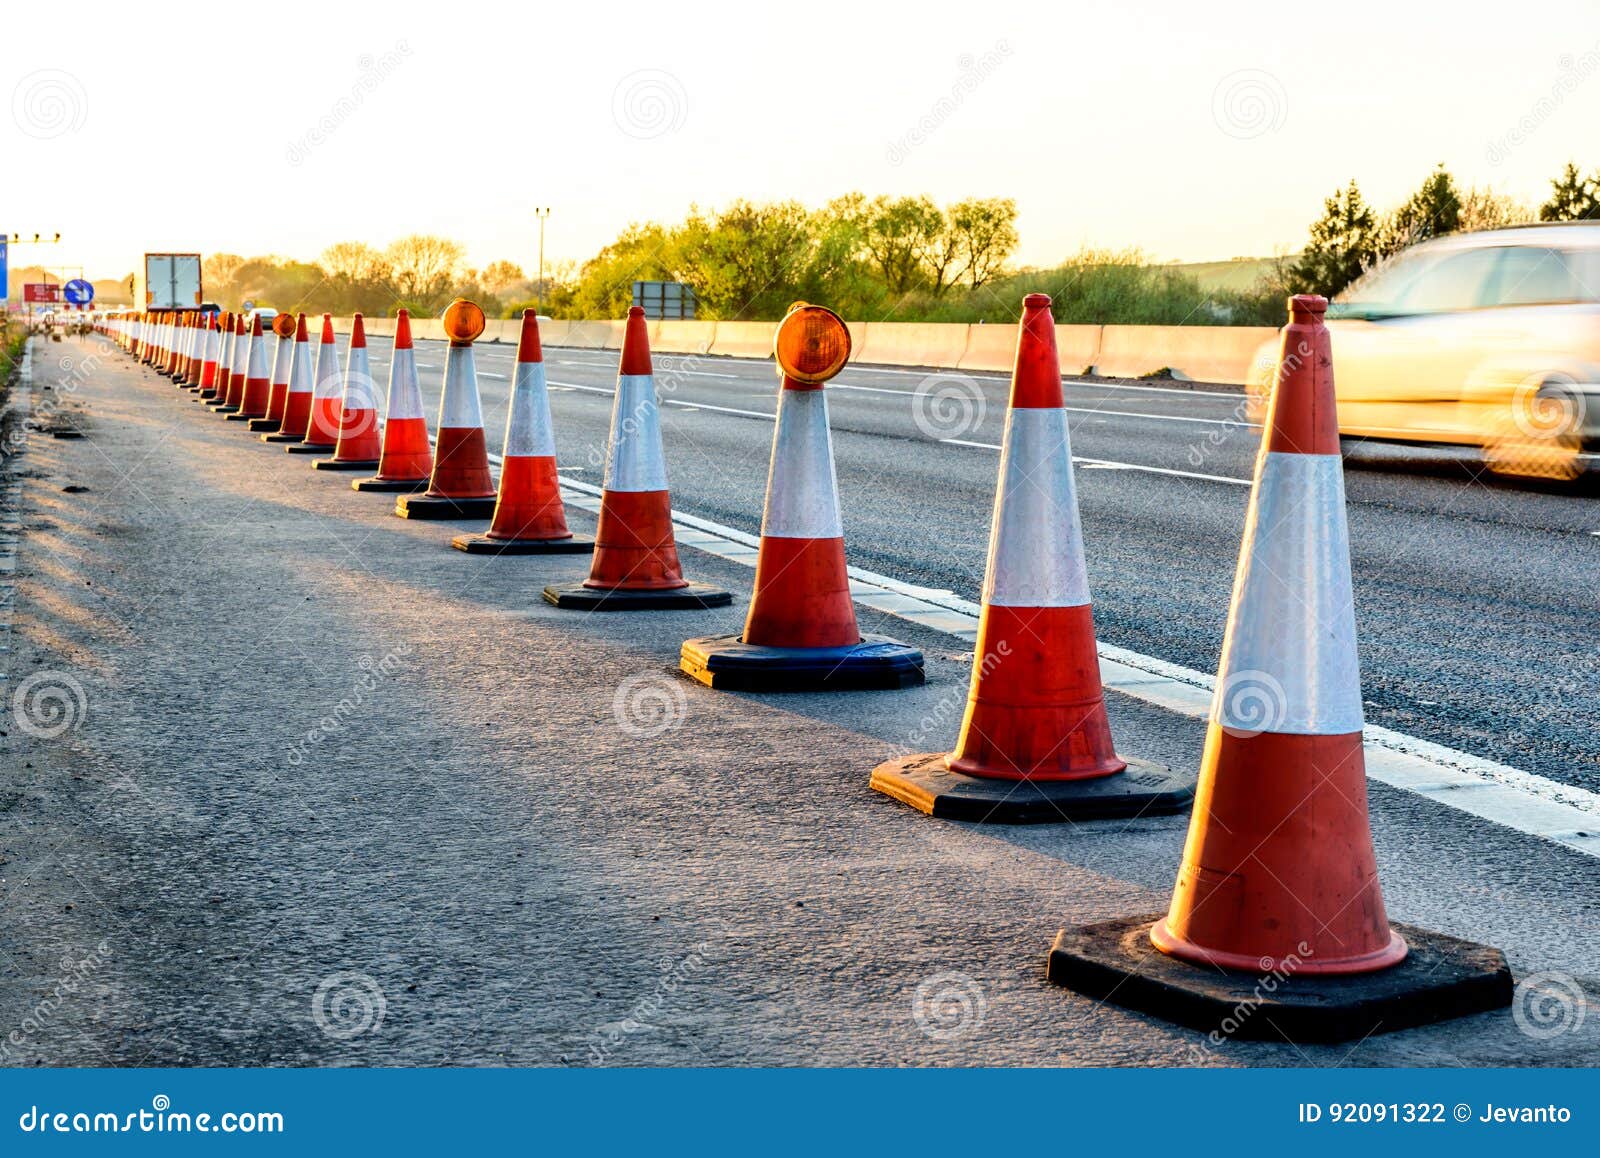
[[258, 357], [241, 353], [802, 500], [405, 395], [1036, 542], [1289, 660], [359, 391], [329, 383], [528, 433], [634, 461], [280, 360], [300, 380], [459, 409]]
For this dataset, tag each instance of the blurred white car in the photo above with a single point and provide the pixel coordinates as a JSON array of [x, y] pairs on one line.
[[1487, 339]]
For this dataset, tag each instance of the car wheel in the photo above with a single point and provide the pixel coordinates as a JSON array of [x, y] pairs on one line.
[[1539, 433]]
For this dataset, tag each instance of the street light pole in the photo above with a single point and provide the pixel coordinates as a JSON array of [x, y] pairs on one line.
[[541, 214]]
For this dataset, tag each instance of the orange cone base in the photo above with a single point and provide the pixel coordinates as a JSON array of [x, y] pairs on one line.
[[426, 506], [390, 485], [727, 663], [345, 464], [488, 545], [927, 784], [1441, 978], [308, 447], [264, 424], [582, 597]]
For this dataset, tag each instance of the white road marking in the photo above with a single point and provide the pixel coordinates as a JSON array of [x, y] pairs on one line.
[[1507, 796], [671, 401], [1108, 464]]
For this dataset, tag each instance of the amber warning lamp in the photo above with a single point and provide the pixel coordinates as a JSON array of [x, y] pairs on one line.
[[463, 322], [812, 344]]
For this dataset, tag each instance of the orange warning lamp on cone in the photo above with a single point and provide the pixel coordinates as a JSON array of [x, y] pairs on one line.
[[460, 486], [1035, 743], [1278, 877], [801, 631]]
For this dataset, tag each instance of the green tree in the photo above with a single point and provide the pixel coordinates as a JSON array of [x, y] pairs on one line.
[[898, 235], [422, 269], [1573, 197], [985, 233], [1486, 209], [1342, 244]]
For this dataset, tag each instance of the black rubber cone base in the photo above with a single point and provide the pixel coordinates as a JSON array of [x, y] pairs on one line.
[[264, 424], [483, 545], [389, 485], [222, 408], [345, 464], [241, 416], [1441, 978], [436, 507], [727, 663], [279, 436], [1143, 789], [577, 597], [307, 448]]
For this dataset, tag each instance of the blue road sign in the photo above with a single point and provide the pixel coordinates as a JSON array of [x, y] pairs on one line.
[[78, 292]]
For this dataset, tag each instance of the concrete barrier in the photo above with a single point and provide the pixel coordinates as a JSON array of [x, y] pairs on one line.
[[912, 344], [1200, 353], [744, 339]]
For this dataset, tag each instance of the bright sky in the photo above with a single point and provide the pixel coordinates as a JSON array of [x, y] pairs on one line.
[[1194, 132]]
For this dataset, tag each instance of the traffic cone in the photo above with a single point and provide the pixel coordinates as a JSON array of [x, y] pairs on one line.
[[1035, 743], [322, 427], [257, 389], [528, 516], [635, 565], [170, 344], [801, 632], [282, 356], [212, 337], [460, 486], [186, 362], [358, 445], [407, 459], [1278, 876], [219, 385], [297, 402], [238, 369]]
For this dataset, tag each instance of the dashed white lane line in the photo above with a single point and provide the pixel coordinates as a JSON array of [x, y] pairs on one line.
[[1108, 464], [1499, 793]]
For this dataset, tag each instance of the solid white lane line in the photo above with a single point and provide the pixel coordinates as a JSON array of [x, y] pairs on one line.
[[1507, 796], [671, 401]]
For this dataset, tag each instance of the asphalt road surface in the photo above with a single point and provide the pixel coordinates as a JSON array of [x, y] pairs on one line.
[[321, 790]]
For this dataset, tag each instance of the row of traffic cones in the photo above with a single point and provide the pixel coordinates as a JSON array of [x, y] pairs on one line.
[[1278, 875]]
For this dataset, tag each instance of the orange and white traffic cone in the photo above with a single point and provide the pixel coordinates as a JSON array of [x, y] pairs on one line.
[[460, 486], [407, 459], [170, 346], [635, 566], [297, 402], [327, 391], [186, 362], [238, 368], [1278, 876], [801, 632], [257, 377], [528, 514], [358, 444], [211, 336], [1035, 743], [224, 371], [282, 358]]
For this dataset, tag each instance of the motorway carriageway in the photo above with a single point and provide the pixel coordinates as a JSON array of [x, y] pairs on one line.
[[1476, 599]]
